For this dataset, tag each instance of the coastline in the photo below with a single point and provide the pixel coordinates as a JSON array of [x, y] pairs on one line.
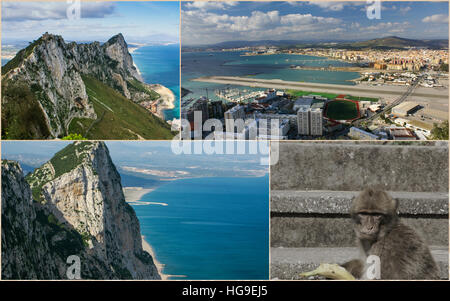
[[159, 266], [167, 99], [134, 194]]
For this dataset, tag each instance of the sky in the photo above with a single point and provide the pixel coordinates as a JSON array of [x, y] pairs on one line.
[[213, 22], [147, 156], [139, 22]]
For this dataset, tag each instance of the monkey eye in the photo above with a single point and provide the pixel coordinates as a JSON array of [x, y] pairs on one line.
[[375, 215]]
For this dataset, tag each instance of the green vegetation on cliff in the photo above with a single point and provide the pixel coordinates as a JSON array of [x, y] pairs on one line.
[[20, 56], [138, 86], [22, 117], [62, 162], [118, 117]]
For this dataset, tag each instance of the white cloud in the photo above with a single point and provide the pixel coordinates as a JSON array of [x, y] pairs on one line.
[[22, 11], [205, 5], [335, 5], [440, 18], [405, 9], [387, 27], [201, 27]]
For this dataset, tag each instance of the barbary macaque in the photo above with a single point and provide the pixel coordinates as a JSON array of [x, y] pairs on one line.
[[401, 251]]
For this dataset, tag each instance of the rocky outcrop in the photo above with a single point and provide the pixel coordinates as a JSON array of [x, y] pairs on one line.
[[80, 189], [53, 70]]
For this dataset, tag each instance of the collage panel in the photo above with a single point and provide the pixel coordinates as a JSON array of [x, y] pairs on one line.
[[90, 70], [359, 210], [132, 210], [224, 140], [308, 70]]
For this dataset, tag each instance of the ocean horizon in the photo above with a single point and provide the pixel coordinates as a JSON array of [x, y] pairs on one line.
[[211, 228]]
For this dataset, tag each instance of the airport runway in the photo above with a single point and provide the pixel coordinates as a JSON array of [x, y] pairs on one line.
[[359, 90]]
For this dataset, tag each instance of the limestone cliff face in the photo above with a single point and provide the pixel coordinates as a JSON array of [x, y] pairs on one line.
[[80, 187], [53, 69], [24, 243]]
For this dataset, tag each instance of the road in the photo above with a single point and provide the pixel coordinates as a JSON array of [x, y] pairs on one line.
[[396, 102]]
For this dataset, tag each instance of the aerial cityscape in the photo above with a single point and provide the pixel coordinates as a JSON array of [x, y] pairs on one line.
[[363, 79]]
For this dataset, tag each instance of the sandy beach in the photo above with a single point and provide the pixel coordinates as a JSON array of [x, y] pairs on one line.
[[134, 194], [166, 101], [146, 246]]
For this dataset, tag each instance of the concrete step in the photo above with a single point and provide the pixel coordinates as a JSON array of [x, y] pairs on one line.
[[320, 218], [339, 202], [288, 263], [352, 166]]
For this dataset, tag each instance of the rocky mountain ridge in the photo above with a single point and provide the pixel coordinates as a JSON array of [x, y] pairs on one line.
[[71, 205], [51, 72]]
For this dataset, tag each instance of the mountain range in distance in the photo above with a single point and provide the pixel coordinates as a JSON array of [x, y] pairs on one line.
[[391, 42], [52, 89]]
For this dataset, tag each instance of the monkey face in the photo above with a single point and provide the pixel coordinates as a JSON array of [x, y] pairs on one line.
[[368, 225]]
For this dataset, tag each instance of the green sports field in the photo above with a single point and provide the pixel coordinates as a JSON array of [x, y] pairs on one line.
[[342, 110]]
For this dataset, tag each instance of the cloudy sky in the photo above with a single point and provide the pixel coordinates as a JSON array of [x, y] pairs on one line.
[[139, 22], [213, 22]]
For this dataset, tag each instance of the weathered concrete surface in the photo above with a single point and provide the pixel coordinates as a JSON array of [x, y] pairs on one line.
[[339, 202], [295, 232], [352, 167], [288, 263]]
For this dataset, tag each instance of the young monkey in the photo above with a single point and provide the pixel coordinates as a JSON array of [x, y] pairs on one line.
[[379, 231]]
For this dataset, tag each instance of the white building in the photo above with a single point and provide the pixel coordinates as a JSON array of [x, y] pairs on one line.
[[316, 122], [302, 102], [309, 122], [303, 121], [357, 133], [236, 112], [269, 94]]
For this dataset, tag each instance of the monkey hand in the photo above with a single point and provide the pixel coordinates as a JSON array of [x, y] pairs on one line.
[[330, 271]]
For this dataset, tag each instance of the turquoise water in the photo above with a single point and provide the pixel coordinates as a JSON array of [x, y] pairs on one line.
[[197, 64], [161, 65], [211, 228]]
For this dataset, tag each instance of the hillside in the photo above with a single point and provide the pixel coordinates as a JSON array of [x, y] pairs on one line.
[[52, 89], [71, 205], [391, 42], [397, 42]]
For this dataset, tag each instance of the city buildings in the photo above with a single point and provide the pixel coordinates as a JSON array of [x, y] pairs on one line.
[[405, 108], [310, 121]]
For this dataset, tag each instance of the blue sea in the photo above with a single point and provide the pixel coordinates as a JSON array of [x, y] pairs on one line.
[[197, 64], [211, 228], [161, 65]]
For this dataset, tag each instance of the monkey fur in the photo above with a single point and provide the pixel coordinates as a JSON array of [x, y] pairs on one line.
[[379, 231]]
